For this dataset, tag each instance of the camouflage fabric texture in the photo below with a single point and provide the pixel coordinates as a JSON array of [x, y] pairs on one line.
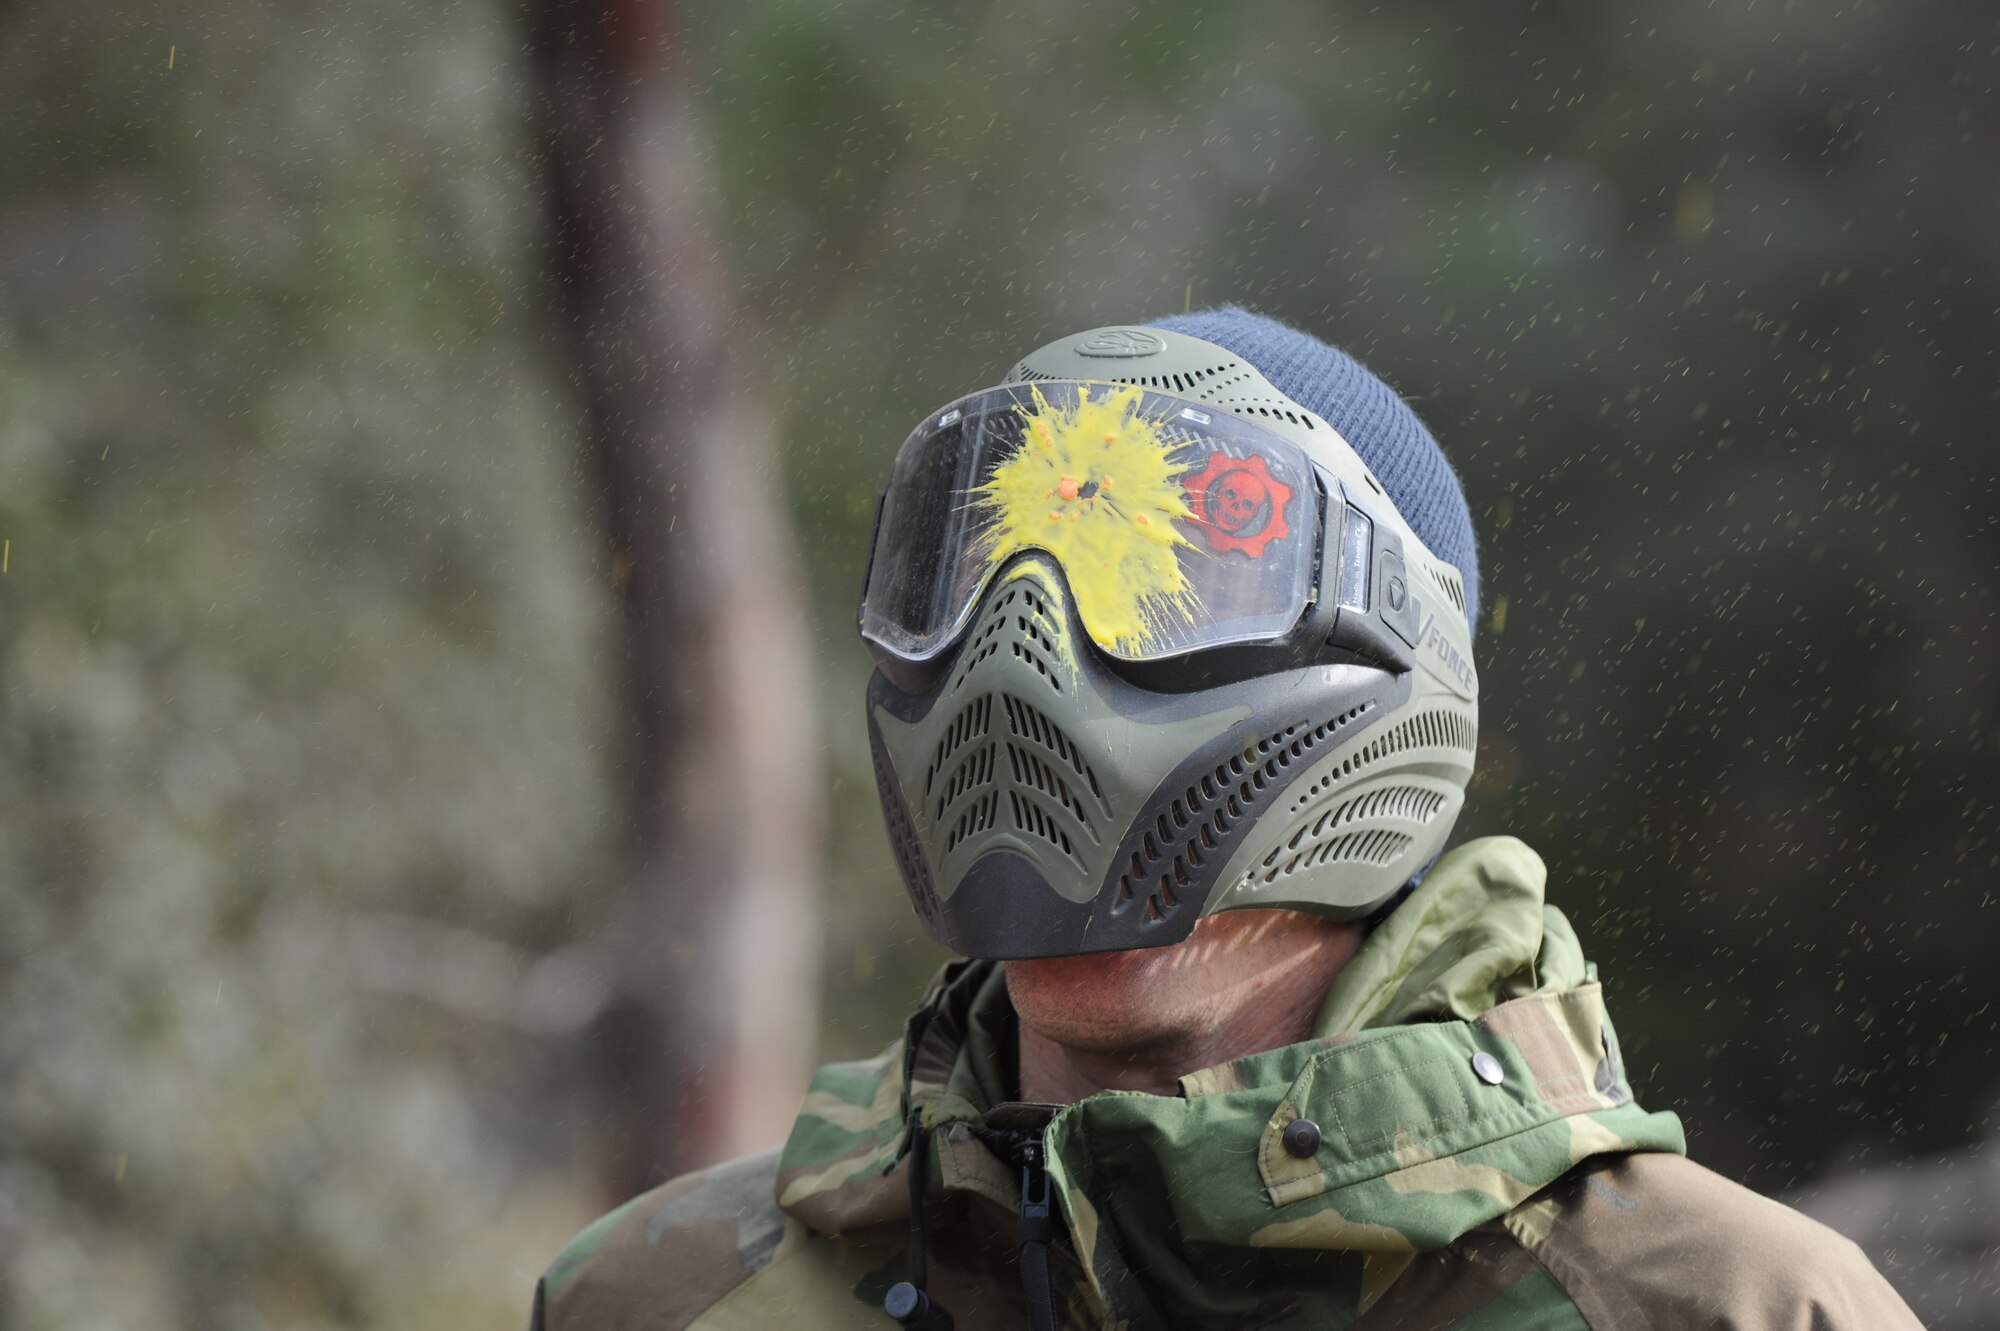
[[1481, 1165]]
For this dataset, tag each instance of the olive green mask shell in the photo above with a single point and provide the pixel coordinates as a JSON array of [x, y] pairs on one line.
[[1040, 804]]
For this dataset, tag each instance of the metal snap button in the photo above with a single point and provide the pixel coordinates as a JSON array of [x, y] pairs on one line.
[[1487, 1068], [1302, 1137]]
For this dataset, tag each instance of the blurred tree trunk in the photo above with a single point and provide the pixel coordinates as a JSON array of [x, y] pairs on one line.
[[704, 1050]]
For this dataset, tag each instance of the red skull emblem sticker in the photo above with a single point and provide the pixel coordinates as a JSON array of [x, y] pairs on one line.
[[1239, 504]]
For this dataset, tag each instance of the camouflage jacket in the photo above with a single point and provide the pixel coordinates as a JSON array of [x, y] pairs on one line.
[[1480, 1163]]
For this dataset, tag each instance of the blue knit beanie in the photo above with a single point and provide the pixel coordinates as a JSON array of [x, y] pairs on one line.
[[1380, 426]]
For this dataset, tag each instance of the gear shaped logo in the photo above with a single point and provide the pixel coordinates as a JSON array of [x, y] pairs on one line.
[[1239, 504]]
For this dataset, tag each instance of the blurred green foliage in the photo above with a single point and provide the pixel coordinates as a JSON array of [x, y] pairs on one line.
[[303, 620], [299, 623]]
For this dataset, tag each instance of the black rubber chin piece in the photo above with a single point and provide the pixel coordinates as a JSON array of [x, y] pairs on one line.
[[1005, 909]]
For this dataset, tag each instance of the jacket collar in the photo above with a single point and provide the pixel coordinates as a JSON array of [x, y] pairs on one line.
[[1463, 1061]]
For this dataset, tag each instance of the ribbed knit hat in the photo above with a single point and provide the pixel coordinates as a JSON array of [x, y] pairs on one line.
[[1378, 424]]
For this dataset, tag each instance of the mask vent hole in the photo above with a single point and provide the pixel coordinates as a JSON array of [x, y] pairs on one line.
[[1029, 725], [971, 775], [1051, 793], [1031, 818], [903, 842], [1032, 771], [961, 774], [976, 817], [1038, 648], [1353, 832], [1379, 848], [1454, 586], [1023, 622], [1179, 382], [971, 724], [1447, 730], [1217, 806]]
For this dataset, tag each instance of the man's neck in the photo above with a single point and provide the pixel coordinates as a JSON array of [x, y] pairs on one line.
[[1267, 1009], [1054, 1074]]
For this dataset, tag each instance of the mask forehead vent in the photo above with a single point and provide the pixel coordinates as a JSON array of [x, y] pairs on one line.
[[1453, 584], [1205, 820], [1225, 382]]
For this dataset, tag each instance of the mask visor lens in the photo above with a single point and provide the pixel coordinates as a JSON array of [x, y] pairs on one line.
[[1178, 526]]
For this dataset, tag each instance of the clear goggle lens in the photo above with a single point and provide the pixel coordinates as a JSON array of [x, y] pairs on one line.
[[1178, 527]]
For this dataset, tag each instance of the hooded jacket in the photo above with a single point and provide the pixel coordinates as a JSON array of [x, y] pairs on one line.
[[1467, 1154]]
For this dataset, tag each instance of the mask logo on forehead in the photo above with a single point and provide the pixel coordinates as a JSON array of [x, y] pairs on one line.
[[1120, 342], [1092, 483], [1238, 504]]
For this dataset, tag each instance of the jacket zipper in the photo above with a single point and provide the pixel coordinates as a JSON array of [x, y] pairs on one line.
[[1034, 1233]]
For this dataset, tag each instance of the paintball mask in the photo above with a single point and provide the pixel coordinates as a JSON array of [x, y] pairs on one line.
[[1152, 642]]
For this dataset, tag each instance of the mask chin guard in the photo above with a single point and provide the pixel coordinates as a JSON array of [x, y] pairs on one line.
[[1018, 837]]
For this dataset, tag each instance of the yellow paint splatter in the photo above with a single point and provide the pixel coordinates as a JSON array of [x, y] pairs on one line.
[[1119, 554]]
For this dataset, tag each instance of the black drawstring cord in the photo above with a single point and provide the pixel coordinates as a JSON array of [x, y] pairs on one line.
[[920, 1164], [908, 1302]]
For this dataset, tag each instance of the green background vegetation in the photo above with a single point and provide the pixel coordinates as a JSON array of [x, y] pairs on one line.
[[304, 625]]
